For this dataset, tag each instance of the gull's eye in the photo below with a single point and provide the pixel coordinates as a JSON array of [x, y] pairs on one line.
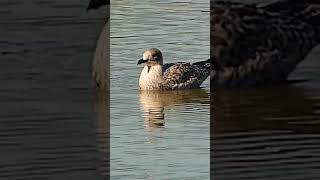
[[155, 57]]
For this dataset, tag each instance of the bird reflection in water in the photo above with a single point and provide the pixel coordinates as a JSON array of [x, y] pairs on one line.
[[257, 129], [284, 107], [155, 103], [102, 126]]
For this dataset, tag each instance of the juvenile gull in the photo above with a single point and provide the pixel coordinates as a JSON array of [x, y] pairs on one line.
[[171, 76], [254, 44]]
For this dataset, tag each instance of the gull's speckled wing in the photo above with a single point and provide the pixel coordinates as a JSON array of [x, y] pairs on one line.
[[185, 75], [166, 66], [254, 43]]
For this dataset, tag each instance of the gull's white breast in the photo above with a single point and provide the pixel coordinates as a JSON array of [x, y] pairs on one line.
[[151, 80]]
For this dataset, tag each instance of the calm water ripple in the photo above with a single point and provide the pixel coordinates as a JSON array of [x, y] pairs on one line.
[[47, 124], [158, 135], [269, 132], [266, 133]]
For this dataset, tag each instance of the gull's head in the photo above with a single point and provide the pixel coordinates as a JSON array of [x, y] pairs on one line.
[[151, 57]]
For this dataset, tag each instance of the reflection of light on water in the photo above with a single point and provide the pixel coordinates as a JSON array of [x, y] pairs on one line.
[[153, 110], [154, 117], [154, 103], [270, 108], [263, 128]]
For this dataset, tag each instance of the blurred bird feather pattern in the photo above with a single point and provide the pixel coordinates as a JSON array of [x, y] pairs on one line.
[[172, 76], [185, 75], [253, 44]]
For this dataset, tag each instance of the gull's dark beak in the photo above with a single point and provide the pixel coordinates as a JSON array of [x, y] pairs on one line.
[[141, 61]]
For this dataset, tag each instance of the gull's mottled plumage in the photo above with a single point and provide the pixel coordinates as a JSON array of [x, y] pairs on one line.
[[172, 76], [254, 44]]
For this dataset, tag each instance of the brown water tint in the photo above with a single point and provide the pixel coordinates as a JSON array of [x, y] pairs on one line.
[[266, 133]]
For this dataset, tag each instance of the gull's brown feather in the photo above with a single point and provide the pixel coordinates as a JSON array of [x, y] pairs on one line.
[[257, 44]]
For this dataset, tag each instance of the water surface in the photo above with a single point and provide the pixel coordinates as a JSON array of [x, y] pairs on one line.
[[269, 132], [47, 126], [158, 135]]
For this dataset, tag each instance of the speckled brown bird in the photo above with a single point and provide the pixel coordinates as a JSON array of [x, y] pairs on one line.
[[254, 44], [171, 76]]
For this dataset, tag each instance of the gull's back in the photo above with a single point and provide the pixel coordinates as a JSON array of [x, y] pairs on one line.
[[255, 44], [185, 75]]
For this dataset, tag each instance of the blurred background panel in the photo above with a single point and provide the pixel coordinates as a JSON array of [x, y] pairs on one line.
[[269, 132], [48, 125]]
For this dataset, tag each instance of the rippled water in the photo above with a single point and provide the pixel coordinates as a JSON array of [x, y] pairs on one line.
[[51, 127], [269, 132], [158, 135], [47, 126]]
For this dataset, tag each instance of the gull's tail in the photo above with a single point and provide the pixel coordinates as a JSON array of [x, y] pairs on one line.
[[205, 68]]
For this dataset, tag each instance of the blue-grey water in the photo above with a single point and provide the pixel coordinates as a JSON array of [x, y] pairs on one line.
[[158, 135], [48, 128]]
